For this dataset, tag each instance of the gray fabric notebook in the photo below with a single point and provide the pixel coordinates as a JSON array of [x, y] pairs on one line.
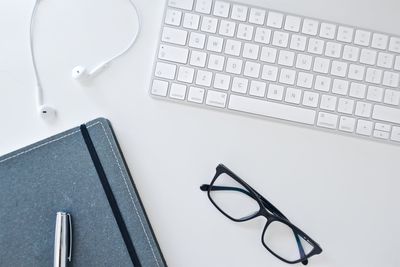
[[80, 171]]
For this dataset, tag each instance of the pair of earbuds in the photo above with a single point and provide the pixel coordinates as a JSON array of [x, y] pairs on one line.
[[79, 73]]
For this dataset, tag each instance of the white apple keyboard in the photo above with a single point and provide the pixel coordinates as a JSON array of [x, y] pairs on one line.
[[241, 58]]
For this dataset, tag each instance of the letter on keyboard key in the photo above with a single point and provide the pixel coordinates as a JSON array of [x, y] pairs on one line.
[[174, 54], [270, 109], [327, 120], [386, 114], [216, 99], [184, 4]]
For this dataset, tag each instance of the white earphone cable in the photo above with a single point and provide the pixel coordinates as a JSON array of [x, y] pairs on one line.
[[39, 90], [134, 38]]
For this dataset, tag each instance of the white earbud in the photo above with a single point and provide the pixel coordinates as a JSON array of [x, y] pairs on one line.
[[81, 74], [46, 112]]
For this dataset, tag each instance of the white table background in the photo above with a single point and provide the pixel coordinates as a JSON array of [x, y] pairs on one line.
[[343, 191]]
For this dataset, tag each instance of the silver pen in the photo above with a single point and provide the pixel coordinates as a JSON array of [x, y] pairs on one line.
[[62, 239]]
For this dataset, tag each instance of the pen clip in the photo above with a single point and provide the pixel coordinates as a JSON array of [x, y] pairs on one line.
[[70, 237]]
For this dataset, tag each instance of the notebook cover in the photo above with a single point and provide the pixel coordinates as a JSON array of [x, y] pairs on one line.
[[59, 174]]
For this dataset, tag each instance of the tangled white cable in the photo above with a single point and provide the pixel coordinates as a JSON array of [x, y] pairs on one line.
[[78, 73]]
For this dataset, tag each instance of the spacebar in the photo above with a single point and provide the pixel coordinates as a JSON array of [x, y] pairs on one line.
[[271, 109]]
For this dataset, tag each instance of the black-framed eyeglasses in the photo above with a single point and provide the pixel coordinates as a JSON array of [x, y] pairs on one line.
[[240, 202]]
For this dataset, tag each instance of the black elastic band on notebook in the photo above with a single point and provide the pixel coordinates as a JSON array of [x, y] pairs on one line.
[[110, 197]]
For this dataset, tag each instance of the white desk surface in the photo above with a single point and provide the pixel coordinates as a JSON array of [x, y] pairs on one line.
[[343, 191]]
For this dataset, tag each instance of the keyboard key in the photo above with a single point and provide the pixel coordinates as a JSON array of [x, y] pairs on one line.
[[397, 63], [250, 51], [293, 95], [268, 54], [310, 99], [269, 73], [214, 44], [305, 80], [280, 39], [252, 69], [380, 134], [386, 114], [239, 85], [164, 70], [316, 46], [357, 90], [197, 40], [346, 106], [327, 31], [345, 34], [245, 32], [373, 75], [375, 93], [392, 97], [303, 62], [340, 87], [391, 79], [196, 95], [385, 60], [270, 109], [339, 69], [362, 38], [174, 54], [364, 127], [222, 81], [333, 50], [356, 72], [216, 99], [159, 88], [292, 23], [347, 124], [209, 25], [173, 17], [310, 27], [203, 6], [221, 9], [275, 92], [178, 91], [382, 127], [234, 65], [257, 16], [216, 62], [198, 59], [257, 88], [321, 65], [322, 83], [368, 56], [185, 74], [395, 134], [203, 78], [287, 76], [191, 21], [239, 12], [379, 41], [363, 109], [262, 35], [351, 53], [286, 58], [227, 28], [394, 45], [233, 47], [327, 120], [298, 42], [174, 36], [183, 4], [328, 102], [274, 20]]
